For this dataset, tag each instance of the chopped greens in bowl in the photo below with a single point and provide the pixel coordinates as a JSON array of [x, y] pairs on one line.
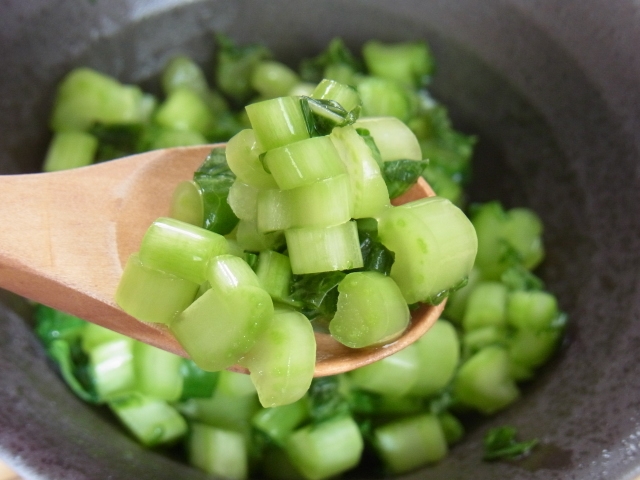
[[499, 326]]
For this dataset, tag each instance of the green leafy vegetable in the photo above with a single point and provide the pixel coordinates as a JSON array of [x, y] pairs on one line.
[[443, 184], [362, 402], [251, 259], [399, 175], [326, 400], [375, 255], [74, 368], [440, 143], [235, 65], [394, 86], [54, 325], [371, 143], [501, 444], [118, 140], [214, 165], [225, 126], [519, 278], [442, 402], [196, 383], [321, 116], [409, 63], [336, 57], [439, 297], [215, 179], [61, 333], [317, 292]]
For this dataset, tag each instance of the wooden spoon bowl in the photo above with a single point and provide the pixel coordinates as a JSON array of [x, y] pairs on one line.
[[65, 237]]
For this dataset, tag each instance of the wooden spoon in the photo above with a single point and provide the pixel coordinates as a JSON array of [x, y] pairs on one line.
[[65, 237]]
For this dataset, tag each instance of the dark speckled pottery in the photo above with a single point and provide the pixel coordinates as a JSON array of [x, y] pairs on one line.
[[551, 87]]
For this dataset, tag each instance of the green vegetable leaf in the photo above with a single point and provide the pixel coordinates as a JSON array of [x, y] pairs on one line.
[[445, 148], [519, 278], [74, 369], [225, 126], [259, 444], [400, 175], [362, 402], [235, 66], [442, 402], [252, 259], [501, 444], [410, 63], [60, 333], [326, 401], [371, 143], [118, 140], [336, 55], [439, 297], [215, 179], [52, 324], [443, 184], [321, 116], [317, 293], [214, 165], [376, 257], [197, 383]]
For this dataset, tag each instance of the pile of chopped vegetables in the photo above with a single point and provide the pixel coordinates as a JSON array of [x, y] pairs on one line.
[[260, 212]]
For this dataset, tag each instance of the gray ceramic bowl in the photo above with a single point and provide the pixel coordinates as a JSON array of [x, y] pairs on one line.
[[551, 87]]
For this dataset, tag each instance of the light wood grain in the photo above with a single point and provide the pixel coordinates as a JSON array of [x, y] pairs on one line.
[[66, 235], [6, 473]]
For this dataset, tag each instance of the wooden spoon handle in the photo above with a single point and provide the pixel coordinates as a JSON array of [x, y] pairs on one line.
[[64, 236]]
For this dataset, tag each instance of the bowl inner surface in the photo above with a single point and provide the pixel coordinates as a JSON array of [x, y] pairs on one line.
[[550, 138]]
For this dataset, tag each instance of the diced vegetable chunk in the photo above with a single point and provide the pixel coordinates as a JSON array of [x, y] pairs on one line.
[[219, 452], [371, 310], [506, 238], [434, 245], [186, 203], [152, 421], [410, 443], [157, 372], [277, 122], [324, 249], [223, 325], [486, 306], [112, 368], [283, 359], [324, 203], [370, 195], [152, 295], [395, 141], [180, 249], [439, 353], [484, 382], [324, 450], [304, 162], [279, 422], [243, 156], [394, 375]]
